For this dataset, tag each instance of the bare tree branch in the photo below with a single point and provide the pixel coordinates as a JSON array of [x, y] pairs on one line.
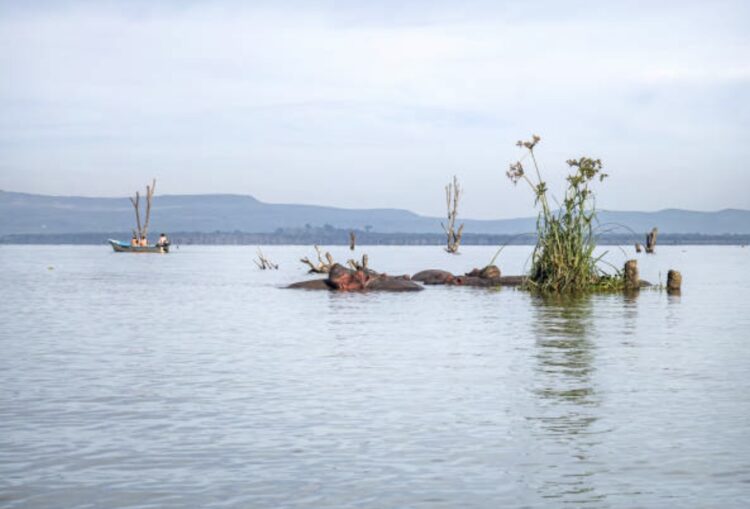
[[355, 265], [264, 263], [136, 205], [149, 199], [453, 193], [323, 266]]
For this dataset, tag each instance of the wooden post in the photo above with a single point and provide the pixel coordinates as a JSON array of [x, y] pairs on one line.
[[651, 240], [352, 240], [674, 281], [632, 280], [638, 247]]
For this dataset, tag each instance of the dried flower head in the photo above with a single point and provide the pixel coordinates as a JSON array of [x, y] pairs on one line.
[[529, 144], [515, 172]]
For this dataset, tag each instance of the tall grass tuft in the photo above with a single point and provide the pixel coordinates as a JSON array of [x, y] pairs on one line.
[[563, 260]]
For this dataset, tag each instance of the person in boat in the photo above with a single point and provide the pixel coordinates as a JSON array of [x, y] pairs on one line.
[[144, 241], [163, 240], [134, 241]]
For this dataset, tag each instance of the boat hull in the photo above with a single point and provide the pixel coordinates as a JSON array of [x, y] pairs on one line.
[[121, 247]]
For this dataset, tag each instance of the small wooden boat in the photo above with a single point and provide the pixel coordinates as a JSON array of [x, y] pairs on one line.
[[123, 247]]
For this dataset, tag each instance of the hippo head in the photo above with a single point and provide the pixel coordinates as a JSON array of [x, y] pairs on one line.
[[490, 272], [345, 280]]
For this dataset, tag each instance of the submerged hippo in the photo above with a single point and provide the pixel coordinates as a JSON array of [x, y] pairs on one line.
[[345, 280], [490, 282], [315, 284], [434, 277], [488, 272], [488, 276]]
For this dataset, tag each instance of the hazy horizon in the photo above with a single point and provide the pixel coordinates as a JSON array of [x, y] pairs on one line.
[[531, 213], [363, 106]]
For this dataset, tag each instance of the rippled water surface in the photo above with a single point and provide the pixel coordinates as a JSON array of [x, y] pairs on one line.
[[194, 380]]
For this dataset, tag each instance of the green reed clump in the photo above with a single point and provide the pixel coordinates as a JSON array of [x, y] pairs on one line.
[[563, 259]]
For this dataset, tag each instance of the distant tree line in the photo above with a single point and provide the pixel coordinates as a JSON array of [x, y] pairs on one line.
[[329, 235]]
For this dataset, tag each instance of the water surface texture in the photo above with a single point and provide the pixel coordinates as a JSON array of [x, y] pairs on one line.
[[193, 380]]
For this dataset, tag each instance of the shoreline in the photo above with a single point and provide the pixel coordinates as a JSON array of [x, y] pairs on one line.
[[341, 238]]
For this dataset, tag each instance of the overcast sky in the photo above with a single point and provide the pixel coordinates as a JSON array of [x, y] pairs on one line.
[[377, 104]]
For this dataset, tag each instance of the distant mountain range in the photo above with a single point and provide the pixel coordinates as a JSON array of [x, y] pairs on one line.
[[22, 213]]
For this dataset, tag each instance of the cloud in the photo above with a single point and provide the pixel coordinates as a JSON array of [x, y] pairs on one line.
[[306, 102]]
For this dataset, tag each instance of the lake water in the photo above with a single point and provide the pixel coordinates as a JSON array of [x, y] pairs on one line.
[[194, 380]]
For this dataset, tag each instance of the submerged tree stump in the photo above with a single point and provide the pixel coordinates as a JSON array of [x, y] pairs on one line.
[[651, 240], [674, 282], [632, 279]]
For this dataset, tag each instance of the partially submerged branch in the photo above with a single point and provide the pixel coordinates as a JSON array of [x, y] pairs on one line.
[[324, 264], [355, 265], [264, 263]]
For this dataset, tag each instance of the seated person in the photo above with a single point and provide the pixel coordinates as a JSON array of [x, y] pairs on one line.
[[144, 241], [134, 241], [163, 240]]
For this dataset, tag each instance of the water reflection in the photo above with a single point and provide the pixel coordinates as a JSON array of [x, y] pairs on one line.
[[630, 316], [566, 397]]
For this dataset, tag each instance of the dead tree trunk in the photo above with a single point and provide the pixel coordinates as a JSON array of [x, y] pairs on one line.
[[352, 240], [136, 205], [453, 193], [651, 240], [149, 200], [142, 229]]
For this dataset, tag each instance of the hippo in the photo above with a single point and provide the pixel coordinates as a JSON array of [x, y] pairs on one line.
[[346, 280], [488, 272], [315, 284], [475, 281], [488, 276], [434, 277], [394, 284]]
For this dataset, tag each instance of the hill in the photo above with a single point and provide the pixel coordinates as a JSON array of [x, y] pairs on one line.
[[22, 213]]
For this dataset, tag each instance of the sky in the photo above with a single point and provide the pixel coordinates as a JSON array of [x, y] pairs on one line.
[[377, 104]]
